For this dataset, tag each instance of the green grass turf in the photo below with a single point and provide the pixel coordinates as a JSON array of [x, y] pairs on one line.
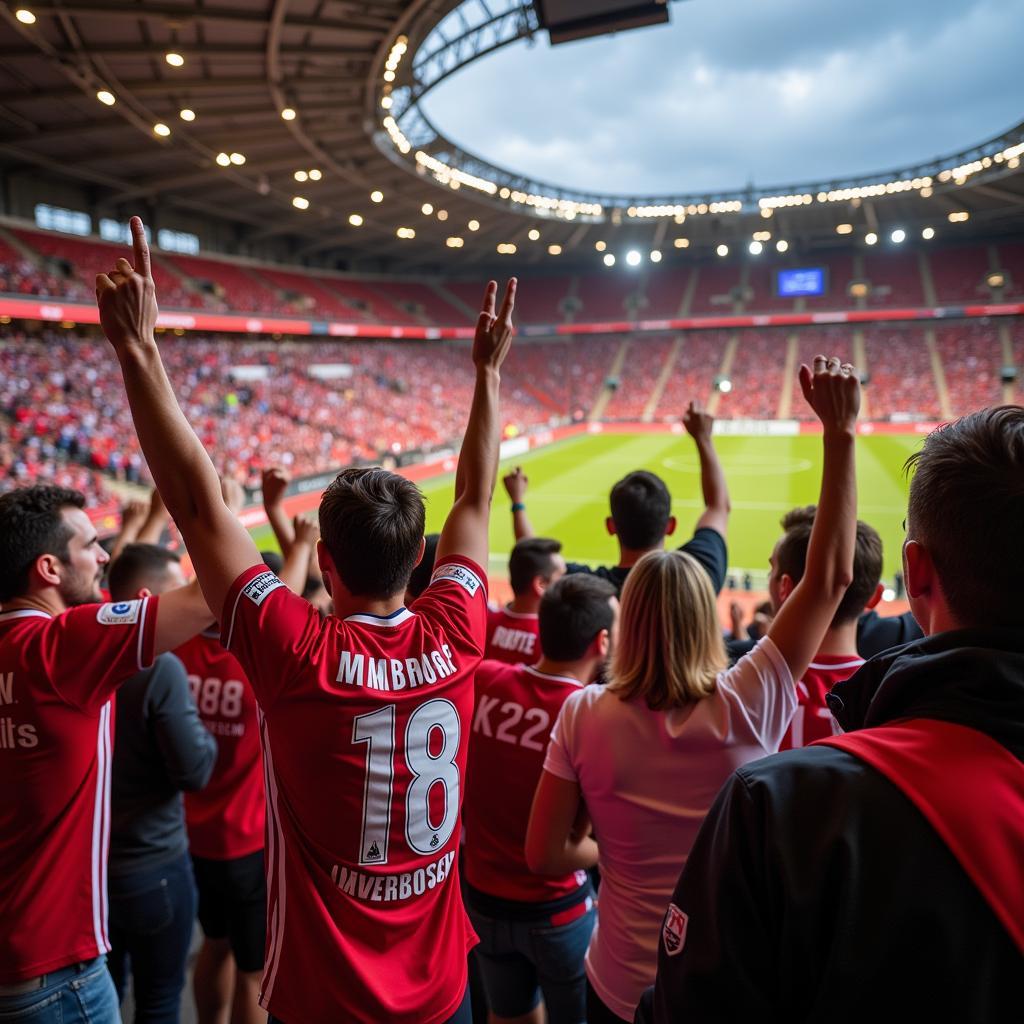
[[569, 484]]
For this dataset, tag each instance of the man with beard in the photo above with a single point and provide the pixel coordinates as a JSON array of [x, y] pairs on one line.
[[63, 655]]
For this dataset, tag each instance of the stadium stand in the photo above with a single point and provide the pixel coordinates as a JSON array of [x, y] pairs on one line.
[[645, 360], [664, 291], [971, 360], [716, 286], [697, 362], [1011, 261], [902, 379], [760, 290], [613, 297], [840, 272], [540, 303], [756, 375], [236, 287], [958, 275], [895, 279]]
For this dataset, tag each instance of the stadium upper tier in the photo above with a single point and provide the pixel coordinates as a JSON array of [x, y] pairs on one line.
[[34, 262], [318, 406]]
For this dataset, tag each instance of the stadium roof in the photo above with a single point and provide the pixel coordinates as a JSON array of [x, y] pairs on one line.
[[241, 68]]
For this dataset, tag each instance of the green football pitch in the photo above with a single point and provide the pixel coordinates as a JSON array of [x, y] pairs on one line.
[[570, 480]]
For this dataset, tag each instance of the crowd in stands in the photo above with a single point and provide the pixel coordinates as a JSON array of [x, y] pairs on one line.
[[663, 821]]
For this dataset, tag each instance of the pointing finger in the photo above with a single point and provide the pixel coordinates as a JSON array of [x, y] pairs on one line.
[[489, 295], [509, 302], [806, 379], [141, 248]]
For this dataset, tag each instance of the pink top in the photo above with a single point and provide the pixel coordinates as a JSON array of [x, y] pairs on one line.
[[648, 779]]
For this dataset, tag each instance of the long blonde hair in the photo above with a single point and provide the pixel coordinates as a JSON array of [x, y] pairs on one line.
[[670, 648]]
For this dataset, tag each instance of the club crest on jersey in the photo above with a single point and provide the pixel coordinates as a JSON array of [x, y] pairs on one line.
[[259, 586], [673, 931], [119, 613], [466, 578]]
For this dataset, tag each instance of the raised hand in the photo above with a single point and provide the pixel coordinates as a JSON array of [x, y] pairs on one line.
[[832, 390], [233, 494], [133, 515], [494, 331], [516, 483], [698, 423], [126, 295], [307, 530], [275, 482]]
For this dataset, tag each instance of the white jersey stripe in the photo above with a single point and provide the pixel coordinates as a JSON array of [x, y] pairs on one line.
[[275, 868], [231, 625], [856, 663], [97, 832], [142, 632], [105, 838]]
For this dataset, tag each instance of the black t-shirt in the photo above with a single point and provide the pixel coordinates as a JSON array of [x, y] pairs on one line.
[[706, 545]]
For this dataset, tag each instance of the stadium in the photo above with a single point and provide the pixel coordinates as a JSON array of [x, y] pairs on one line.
[[324, 204]]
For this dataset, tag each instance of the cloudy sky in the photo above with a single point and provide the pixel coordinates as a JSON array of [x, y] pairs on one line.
[[734, 91]]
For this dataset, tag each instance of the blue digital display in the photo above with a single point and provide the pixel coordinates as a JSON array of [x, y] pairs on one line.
[[800, 281]]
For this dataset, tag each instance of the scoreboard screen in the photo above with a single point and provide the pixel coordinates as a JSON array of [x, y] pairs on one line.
[[800, 281]]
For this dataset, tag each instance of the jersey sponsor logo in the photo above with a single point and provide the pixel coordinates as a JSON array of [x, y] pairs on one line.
[[120, 613], [391, 888], [260, 586], [673, 931], [466, 578]]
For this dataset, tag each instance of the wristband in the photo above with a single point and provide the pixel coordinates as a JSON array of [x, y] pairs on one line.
[[518, 506]]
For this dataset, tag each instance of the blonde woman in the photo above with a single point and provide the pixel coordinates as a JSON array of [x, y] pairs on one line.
[[645, 755]]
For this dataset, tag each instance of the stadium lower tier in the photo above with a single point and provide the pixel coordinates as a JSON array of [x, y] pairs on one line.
[[316, 406]]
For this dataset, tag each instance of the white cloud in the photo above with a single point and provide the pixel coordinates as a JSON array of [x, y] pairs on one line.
[[741, 90]]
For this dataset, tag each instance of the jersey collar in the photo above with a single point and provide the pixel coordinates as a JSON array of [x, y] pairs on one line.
[[23, 613], [396, 618], [549, 675], [518, 615]]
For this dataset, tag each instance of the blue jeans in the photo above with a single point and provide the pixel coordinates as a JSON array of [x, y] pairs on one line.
[[463, 1015], [152, 914], [80, 993], [522, 960]]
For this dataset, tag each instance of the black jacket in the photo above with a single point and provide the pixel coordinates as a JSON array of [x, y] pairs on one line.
[[161, 747], [817, 892]]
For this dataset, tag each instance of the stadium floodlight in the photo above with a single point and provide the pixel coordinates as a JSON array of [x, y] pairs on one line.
[[609, 259], [386, 102], [356, 220], [473, 225], [722, 250], [442, 215], [454, 242], [315, 175], [223, 160], [928, 233], [534, 235], [682, 243], [655, 255], [376, 196], [161, 129], [554, 250], [300, 176], [781, 245], [406, 232], [958, 216], [300, 202], [237, 159], [106, 97], [186, 114], [176, 60], [600, 246], [755, 248], [844, 229], [723, 384], [426, 209], [287, 114], [25, 16], [898, 236], [870, 238], [633, 258]]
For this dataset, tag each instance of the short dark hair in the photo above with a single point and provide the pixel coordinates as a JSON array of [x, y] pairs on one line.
[[31, 525], [641, 508], [791, 559], [573, 611], [371, 522], [530, 558], [138, 566], [420, 577], [967, 509]]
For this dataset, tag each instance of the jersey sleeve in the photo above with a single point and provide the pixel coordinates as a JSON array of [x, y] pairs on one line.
[[456, 598], [271, 631], [559, 757], [708, 547], [90, 650], [762, 693]]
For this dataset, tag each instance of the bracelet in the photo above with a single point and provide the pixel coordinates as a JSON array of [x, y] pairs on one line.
[[518, 506]]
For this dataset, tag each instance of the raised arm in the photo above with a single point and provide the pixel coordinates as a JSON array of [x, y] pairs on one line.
[[833, 391], [156, 520], [275, 483], [295, 571], [220, 547], [516, 484], [715, 516], [133, 515], [466, 529]]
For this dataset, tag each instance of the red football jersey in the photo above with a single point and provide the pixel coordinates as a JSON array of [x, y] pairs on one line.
[[516, 707], [365, 725], [226, 817], [512, 637], [57, 676], [813, 720]]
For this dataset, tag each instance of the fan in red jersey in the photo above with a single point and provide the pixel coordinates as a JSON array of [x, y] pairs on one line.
[[62, 657], [533, 929], [365, 715], [837, 658], [512, 631]]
